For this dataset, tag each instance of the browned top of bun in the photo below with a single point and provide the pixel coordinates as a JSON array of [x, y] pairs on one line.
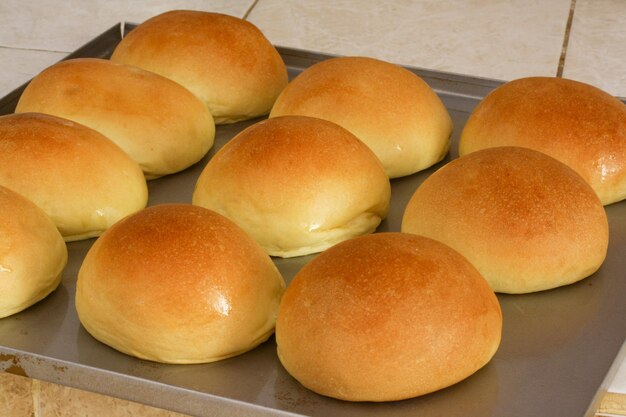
[[178, 283], [296, 184], [82, 180], [388, 107], [526, 221], [32, 253], [578, 124], [226, 61], [386, 316], [160, 124]]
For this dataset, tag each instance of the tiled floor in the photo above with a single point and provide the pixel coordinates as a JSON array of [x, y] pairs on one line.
[[501, 39], [493, 39], [597, 49], [25, 397]]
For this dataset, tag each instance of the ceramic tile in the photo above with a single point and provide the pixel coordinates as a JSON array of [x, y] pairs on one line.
[[16, 399], [60, 401], [19, 66], [66, 25], [501, 39], [596, 53]]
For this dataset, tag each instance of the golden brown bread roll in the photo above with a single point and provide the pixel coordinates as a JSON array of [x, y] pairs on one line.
[[82, 180], [225, 61], [161, 125], [296, 184], [392, 110], [526, 221], [177, 283], [32, 253], [578, 124], [386, 317]]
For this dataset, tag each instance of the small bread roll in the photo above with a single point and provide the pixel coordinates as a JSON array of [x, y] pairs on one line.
[[526, 221], [392, 110], [225, 61], [32, 253], [297, 185], [161, 125], [82, 180], [580, 125], [177, 283], [386, 317]]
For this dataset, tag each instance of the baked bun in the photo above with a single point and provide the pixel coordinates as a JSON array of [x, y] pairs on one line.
[[578, 124], [392, 110], [386, 317], [177, 283], [297, 185], [82, 180], [32, 253], [225, 61], [526, 221], [161, 125]]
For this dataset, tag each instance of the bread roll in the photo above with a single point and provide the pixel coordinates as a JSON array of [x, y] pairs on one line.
[[177, 283], [161, 125], [225, 61], [526, 221], [82, 180], [578, 124], [297, 185], [386, 317], [388, 107], [32, 253]]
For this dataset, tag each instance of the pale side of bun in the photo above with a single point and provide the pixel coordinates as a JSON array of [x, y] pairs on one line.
[[580, 125], [32, 253], [82, 180], [386, 317], [526, 221], [224, 60], [297, 185], [178, 283], [392, 110], [161, 125]]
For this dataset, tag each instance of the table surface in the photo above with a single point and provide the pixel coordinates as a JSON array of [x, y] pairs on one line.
[[494, 39]]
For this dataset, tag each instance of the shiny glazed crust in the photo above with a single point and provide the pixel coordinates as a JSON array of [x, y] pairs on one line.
[[82, 180], [386, 317], [578, 124], [526, 221], [161, 125], [32, 253], [297, 185], [178, 283], [390, 109], [225, 61]]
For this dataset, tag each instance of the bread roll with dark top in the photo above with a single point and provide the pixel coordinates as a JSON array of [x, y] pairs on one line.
[[177, 283], [79, 178], [526, 221], [157, 122], [32, 253], [578, 124], [386, 317], [389, 108], [224, 60], [296, 184]]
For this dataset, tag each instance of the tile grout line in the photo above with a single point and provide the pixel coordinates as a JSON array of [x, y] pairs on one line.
[[568, 29], [245, 15], [32, 49], [36, 390]]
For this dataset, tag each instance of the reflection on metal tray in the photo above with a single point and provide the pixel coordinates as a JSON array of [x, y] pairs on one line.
[[558, 348]]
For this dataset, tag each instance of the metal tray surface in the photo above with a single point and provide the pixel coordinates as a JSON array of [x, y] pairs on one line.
[[559, 347]]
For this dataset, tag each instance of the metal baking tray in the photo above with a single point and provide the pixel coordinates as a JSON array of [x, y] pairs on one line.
[[559, 348]]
